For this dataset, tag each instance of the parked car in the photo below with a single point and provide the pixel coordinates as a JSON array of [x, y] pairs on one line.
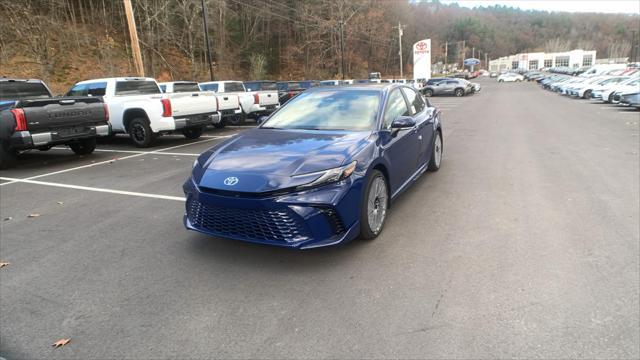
[[510, 77], [493, 74], [31, 118], [457, 87], [476, 87], [252, 103], [606, 94], [289, 89], [630, 99], [137, 107], [321, 171], [586, 90], [228, 106], [333, 82]]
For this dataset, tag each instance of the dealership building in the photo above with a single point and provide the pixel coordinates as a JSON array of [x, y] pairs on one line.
[[539, 60]]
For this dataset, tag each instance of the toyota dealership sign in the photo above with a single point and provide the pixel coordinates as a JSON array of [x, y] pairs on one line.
[[422, 59]]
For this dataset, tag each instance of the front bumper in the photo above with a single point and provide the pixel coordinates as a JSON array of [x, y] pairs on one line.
[[24, 140], [318, 217]]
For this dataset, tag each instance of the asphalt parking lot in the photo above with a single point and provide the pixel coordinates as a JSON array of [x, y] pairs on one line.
[[524, 244]]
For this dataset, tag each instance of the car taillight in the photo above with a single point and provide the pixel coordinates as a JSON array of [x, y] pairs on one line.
[[166, 107], [256, 98], [291, 94], [106, 111], [21, 121]]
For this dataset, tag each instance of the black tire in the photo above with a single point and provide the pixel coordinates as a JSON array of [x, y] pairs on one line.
[[610, 98], [428, 93], [518, 80], [500, 81], [83, 146], [140, 133], [239, 119], [436, 154], [459, 92], [220, 125], [8, 158], [193, 132], [366, 232], [587, 94]]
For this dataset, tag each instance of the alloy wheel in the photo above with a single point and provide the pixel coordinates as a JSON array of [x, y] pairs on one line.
[[377, 204]]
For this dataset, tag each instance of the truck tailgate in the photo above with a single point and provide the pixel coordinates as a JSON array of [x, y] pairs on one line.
[[228, 102], [268, 98], [187, 103], [56, 113]]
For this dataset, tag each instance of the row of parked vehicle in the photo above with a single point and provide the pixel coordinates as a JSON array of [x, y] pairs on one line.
[[33, 118], [615, 85]]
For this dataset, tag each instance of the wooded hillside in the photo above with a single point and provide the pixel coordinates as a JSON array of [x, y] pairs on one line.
[[63, 41]]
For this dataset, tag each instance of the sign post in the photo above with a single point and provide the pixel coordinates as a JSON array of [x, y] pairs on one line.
[[422, 59]]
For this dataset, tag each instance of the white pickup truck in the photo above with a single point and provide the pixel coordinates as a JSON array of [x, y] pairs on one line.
[[228, 105], [253, 103], [138, 107]]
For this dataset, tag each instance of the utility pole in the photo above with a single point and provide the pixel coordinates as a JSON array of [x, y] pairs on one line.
[[133, 35], [634, 47], [486, 63], [206, 40], [464, 52], [342, 48], [473, 52], [400, 27]]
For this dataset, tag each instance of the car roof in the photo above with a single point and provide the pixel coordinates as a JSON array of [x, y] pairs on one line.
[[6, 79], [127, 78]]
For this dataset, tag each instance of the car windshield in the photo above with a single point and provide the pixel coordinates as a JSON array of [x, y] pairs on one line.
[[14, 90], [341, 109], [185, 87], [137, 87]]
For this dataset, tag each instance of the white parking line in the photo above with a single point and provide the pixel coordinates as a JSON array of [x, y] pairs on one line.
[[87, 188], [110, 161], [133, 152]]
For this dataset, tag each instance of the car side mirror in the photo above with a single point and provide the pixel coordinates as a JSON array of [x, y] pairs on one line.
[[262, 119], [401, 122]]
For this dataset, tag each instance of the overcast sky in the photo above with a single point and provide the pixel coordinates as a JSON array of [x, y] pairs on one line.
[[602, 6]]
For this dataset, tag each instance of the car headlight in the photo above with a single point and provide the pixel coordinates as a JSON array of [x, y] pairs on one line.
[[331, 175]]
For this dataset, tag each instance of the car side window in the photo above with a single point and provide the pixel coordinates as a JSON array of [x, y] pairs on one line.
[[415, 101], [78, 90], [396, 106], [451, 82], [97, 89]]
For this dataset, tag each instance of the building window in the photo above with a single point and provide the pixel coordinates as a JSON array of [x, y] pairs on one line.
[[562, 61], [514, 64], [533, 64], [587, 60], [548, 63]]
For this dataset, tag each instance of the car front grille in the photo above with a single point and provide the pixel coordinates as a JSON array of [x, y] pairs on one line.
[[281, 225]]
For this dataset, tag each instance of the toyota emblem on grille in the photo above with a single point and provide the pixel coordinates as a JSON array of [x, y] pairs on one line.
[[231, 180]]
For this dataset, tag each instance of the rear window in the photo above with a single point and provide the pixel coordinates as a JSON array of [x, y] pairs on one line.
[[137, 87], [209, 87], [185, 87], [233, 87], [10, 90], [260, 85], [295, 85]]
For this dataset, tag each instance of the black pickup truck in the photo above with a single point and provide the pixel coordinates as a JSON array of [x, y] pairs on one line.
[[31, 118]]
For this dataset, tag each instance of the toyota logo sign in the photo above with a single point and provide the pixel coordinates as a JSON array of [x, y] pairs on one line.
[[231, 180], [421, 45]]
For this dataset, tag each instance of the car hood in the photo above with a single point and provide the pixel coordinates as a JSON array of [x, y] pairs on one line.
[[263, 160]]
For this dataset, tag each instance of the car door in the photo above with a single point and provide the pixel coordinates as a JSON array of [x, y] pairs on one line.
[[400, 148], [449, 86], [424, 117]]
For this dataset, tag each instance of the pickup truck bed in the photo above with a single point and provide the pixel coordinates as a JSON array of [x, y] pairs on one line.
[[44, 121]]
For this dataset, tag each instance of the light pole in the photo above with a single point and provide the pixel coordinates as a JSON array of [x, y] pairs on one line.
[[206, 40]]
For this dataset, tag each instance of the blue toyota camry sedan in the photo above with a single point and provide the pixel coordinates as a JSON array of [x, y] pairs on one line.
[[322, 170]]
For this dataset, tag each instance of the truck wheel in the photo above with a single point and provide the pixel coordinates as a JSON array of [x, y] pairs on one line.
[[238, 119], [7, 157], [220, 125], [192, 132], [83, 146], [141, 133]]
